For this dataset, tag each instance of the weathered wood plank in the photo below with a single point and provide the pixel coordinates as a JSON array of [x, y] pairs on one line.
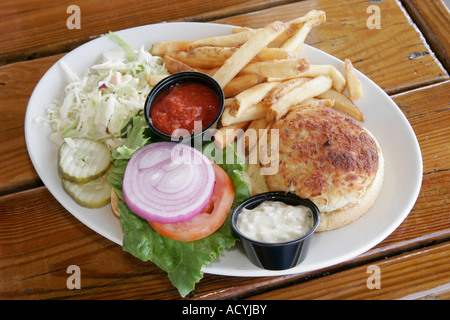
[[39, 239], [396, 56], [433, 18], [419, 274], [36, 29], [19, 79], [17, 82]]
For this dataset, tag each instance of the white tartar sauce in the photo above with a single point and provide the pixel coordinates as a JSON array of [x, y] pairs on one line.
[[275, 222]]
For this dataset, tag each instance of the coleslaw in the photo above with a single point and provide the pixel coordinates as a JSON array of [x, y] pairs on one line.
[[99, 104], [105, 104]]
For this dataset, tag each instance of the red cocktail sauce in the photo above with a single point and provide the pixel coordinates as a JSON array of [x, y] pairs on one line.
[[181, 105]]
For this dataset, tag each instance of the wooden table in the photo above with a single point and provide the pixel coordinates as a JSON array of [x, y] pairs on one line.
[[407, 57]]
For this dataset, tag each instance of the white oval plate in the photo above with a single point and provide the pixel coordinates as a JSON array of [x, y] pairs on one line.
[[403, 171]]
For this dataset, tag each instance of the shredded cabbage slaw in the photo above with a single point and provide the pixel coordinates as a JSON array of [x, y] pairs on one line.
[[100, 103]]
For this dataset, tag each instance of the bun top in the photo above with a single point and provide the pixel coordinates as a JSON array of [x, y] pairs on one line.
[[325, 156]]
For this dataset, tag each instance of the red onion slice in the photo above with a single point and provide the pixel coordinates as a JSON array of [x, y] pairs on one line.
[[168, 182]]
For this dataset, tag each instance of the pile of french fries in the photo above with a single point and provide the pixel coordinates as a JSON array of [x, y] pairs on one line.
[[261, 74]]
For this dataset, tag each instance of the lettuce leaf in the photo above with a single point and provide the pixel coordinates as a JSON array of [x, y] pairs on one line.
[[229, 160], [183, 261], [138, 136], [129, 51]]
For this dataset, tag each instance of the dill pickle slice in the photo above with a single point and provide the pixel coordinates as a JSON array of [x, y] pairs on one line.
[[92, 194], [81, 160]]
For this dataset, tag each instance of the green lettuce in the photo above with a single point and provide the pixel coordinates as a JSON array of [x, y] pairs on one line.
[[129, 51], [138, 135], [182, 261]]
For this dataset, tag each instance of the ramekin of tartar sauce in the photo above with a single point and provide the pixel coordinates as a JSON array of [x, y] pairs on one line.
[[275, 228]]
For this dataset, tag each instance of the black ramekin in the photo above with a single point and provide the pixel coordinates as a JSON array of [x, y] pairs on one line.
[[179, 78], [276, 256]]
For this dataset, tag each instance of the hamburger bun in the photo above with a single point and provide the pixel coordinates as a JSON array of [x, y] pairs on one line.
[[327, 157], [115, 202]]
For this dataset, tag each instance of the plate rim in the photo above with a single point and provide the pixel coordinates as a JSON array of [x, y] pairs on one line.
[[214, 268]]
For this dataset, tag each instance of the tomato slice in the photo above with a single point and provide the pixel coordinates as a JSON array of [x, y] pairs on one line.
[[210, 219]]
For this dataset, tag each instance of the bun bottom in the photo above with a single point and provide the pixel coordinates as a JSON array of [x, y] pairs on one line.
[[335, 219], [339, 218], [115, 202], [329, 221]]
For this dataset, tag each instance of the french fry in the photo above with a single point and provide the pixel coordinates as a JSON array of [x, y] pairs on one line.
[[153, 79], [311, 20], [269, 151], [286, 68], [214, 57], [241, 83], [253, 112], [283, 88], [237, 38], [338, 79], [209, 72], [309, 89], [240, 29], [322, 69], [353, 84], [228, 102], [229, 40], [236, 85], [294, 43], [256, 125], [254, 170], [343, 103], [267, 54], [250, 97], [225, 135], [259, 40], [173, 65], [204, 57], [312, 102], [318, 16]]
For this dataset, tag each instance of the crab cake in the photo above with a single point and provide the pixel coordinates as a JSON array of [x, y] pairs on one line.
[[330, 158]]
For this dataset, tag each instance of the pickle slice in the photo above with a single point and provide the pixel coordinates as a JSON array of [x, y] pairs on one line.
[[81, 160], [93, 194]]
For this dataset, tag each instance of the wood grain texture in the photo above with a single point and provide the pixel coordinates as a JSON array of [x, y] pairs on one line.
[[385, 54], [412, 275], [17, 82], [344, 35], [34, 265], [39, 239], [38, 28], [433, 18], [428, 112], [427, 223]]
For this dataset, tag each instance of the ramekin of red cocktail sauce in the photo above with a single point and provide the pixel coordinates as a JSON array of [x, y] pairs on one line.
[[184, 105]]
